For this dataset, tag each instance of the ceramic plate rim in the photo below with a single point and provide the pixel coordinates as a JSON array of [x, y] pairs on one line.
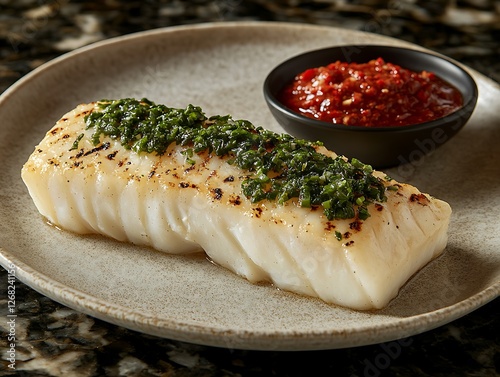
[[98, 308], [209, 336]]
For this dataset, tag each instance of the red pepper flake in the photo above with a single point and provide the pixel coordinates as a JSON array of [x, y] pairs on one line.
[[419, 198], [329, 226], [257, 211], [187, 170], [235, 200], [356, 225]]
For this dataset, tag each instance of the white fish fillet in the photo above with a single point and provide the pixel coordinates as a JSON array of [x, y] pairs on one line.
[[162, 202]]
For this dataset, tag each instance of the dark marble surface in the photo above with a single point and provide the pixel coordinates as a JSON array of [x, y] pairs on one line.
[[53, 340]]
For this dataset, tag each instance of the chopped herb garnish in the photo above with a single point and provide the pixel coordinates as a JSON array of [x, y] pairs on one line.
[[75, 143], [279, 167]]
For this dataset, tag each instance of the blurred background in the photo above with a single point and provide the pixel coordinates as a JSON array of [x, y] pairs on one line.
[[34, 31]]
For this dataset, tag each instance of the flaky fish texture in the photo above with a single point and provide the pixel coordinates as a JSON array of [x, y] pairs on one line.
[[170, 205]]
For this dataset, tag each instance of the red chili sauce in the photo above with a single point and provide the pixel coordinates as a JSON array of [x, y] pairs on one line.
[[373, 94]]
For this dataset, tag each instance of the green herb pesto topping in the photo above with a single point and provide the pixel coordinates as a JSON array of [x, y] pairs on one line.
[[279, 167]]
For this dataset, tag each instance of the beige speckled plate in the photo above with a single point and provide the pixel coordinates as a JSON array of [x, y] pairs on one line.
[[221, 67]]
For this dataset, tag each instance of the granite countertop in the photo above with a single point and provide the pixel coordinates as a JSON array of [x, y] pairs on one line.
[[53, 340]]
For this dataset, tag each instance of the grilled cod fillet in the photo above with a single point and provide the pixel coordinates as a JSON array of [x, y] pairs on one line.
[[162, 202]]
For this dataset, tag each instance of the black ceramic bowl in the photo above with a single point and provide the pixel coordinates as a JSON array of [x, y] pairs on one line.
[[380, 146]]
